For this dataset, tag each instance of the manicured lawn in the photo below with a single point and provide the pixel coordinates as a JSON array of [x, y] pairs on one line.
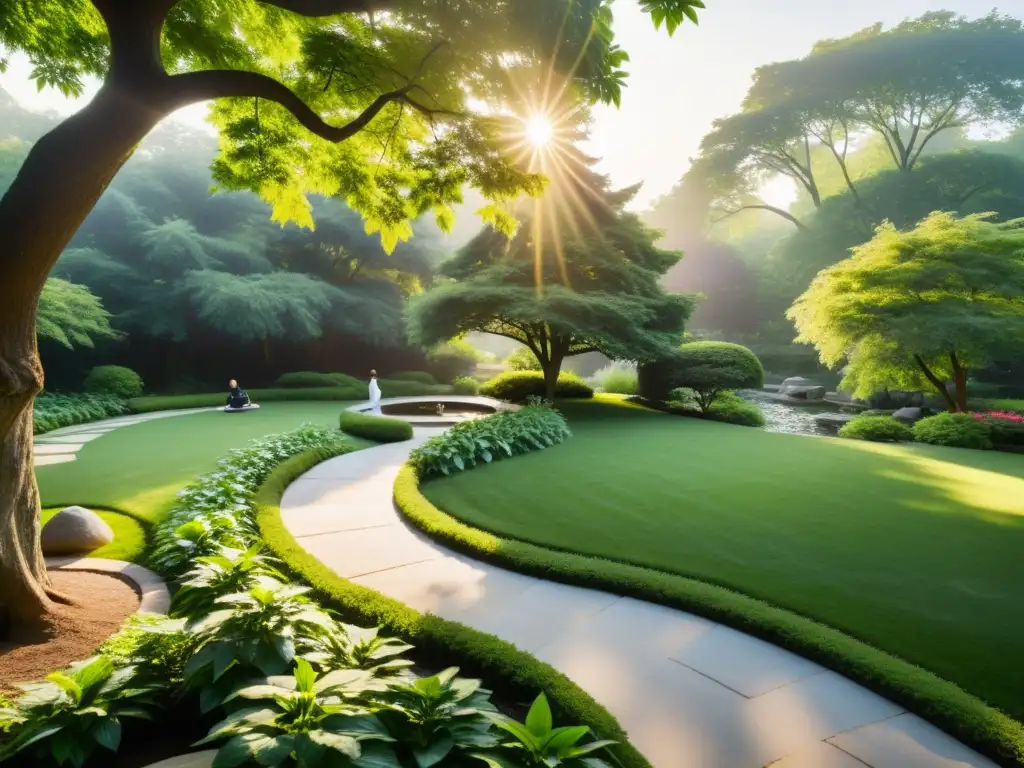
[[139, 469], [129, 535], [913, 549]]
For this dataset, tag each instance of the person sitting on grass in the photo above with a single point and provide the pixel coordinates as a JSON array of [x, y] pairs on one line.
[[237, 397]]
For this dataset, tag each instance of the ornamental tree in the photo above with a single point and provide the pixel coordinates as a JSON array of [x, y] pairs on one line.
[[363, 100], [914, 309], [580, 275]]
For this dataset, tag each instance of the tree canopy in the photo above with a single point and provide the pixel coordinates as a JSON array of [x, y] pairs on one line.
[[906, 87], [916, 308], [72, 316], [580, 275]]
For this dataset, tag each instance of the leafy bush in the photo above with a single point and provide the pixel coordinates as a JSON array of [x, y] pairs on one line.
[[421, 377], [465, 385], [876, 412], [380, 429], [56, 411], [617, 378], [733, 409], [156, 645], [955, 430], [313, 380], [1006, 428], [115, 380], [508, 433], [523, 359], [453, 359], [66, 718], [517, 386], [707, 368], [877, 429]]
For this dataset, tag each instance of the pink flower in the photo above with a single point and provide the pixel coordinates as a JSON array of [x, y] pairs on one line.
[[1001, 415]]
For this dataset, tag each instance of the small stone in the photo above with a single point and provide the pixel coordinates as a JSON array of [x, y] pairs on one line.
[[75, 531]]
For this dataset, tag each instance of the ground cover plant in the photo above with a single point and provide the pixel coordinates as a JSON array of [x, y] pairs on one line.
[[244, 633], [481, 441], [380, 429], [56, 411], [892, 529]]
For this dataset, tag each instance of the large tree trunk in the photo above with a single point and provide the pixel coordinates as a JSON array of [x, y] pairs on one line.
[[939, 384], [959, 382], [64, 175], [551, 370]]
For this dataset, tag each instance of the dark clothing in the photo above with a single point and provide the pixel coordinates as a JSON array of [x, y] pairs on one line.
[[237, 398]]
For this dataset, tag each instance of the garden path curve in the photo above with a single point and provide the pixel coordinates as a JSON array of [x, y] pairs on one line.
[[691, 693], [59, 446]]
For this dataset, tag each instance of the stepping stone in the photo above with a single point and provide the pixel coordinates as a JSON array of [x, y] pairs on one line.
[[908, 741]]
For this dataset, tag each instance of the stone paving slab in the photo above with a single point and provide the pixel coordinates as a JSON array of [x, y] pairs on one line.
[[690, 693]]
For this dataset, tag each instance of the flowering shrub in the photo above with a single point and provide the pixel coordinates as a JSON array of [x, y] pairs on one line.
[[1011, 416], [1006, 428]]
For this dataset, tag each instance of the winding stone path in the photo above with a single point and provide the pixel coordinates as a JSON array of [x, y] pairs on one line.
[[60, 445], [691, 693]]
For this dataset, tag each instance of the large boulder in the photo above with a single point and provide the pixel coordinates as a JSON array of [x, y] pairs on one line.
[[909, 415], [802, 389], [75, 531]]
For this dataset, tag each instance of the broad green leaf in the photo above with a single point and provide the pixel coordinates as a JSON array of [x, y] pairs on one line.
[[538, 719], [108, 734]]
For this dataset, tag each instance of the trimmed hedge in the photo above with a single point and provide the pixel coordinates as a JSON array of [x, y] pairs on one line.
[[55, 411], [420, 377], [517, 386], [380, 429], [113, 380], [733, 409], [954, 430], [941, 702], [312, 379], [877, 429], [508, 671]]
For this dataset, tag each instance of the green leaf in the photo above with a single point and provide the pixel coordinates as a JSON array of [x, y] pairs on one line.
[[435, 752], [563, 738], [347, 745], [305, 677], [538, 719], [108, 734]]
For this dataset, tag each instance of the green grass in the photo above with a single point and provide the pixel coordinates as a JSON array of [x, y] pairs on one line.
[[129, 535], [912, 549], [514, 675], [139, 469]]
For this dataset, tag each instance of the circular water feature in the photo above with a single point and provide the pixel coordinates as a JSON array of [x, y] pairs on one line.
[[453, 410], [822, 420]]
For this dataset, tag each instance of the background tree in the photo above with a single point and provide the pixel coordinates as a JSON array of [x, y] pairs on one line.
[[914, 309], [71, 316], [580, 275], [336, 97]]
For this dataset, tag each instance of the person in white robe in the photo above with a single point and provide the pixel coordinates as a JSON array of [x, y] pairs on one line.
[[374, 394]]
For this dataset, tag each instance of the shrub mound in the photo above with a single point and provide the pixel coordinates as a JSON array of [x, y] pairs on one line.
[[954, 430], [517, 386], [56, 411], [312, 380], [733, 409], [115, 380], [509, 433], [380, 429], [421, 377], [877, 429], [465, 385], [616, 378]]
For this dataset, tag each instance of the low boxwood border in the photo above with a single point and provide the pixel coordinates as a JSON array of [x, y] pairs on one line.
[[380, 429], [510, 672], [939, 701]]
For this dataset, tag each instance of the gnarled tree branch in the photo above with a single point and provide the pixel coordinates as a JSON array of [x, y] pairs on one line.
[[220, 83], [764, 207]]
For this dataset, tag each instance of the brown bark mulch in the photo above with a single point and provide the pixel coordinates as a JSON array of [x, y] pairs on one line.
[[99, 605]]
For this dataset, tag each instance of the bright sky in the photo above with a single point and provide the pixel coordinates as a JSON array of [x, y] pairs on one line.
[[677, 85]]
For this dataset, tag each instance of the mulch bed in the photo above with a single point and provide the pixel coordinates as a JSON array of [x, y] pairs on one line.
[[99, 605]]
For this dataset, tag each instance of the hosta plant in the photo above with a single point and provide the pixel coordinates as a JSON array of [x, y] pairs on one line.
[[66, 718], [439, 716], [538, 743], [227, 572], [349, 647], [306, 721], [251, 632], [509, 433]]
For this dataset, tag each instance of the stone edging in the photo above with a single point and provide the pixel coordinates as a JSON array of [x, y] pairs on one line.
[[154, 597], [434, 421]]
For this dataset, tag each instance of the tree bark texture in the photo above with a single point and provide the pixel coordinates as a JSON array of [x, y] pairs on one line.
[[64, 175], [940, 386]]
